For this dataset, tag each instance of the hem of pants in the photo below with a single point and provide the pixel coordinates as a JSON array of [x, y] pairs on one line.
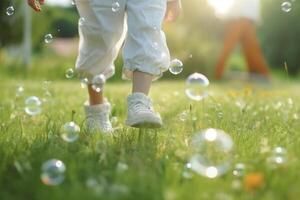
[[108, 73], [128, 70]]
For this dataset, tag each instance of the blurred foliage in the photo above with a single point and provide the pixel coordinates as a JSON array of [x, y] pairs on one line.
[[196, 38], [10, 27], [280, 35]]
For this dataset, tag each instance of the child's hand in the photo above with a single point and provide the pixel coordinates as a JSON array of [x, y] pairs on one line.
[[36, 4], [173, 10]]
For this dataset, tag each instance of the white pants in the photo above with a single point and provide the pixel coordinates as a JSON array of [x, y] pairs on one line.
[[102, 33]]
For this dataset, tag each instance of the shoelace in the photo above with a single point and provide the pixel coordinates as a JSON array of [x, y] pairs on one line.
[[142, 106]]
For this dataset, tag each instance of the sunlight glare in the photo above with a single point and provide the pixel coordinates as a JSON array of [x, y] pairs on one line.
[[221, 6]]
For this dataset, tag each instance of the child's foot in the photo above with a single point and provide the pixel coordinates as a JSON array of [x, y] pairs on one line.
[[141, 113], [97, 118]]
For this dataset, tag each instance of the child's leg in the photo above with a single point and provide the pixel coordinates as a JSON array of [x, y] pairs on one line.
[[146, 56], [141, 82], [95, 97], [100, 40], [233, 35], [254, 56]]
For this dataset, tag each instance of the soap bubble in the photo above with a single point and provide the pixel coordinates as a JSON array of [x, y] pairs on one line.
[[69, 73], [239, 170], [84, 82], [187, 173], [48, 38], [176, 66], [286, 6], [33, 106], [53, 172], [184, 115], [277, 158], [10, 10], [212, 153], [20, 91], [98, 82], [115, 7], [81, 21], [196, 87], [70, 132]]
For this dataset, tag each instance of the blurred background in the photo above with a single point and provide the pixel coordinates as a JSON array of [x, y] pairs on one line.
[[196, 39]]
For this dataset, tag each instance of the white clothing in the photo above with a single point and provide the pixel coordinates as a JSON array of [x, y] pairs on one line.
[[103, 31], [234, 9]]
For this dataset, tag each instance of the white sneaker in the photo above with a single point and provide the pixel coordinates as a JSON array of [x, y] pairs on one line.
[[140, 112], [97, 117]]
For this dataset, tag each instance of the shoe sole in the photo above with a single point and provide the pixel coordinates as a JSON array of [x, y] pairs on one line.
[[145, 123]]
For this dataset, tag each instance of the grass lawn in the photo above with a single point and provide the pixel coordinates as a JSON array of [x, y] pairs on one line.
[[149, 164]]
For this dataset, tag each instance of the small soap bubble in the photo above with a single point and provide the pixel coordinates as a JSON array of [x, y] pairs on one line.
[[53, 172], [187, 172], [81, 21], [239, 170], [115, 7], [10, 10], [286, 6], [277, 158], [20, 91], [48, 38], [70, 132], [176, 66], [98, 82], [196, 87], [84, 82], [69, 73], [33, 106], [184, 115]]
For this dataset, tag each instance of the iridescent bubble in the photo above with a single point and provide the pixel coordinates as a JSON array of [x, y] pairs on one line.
[[212, 153], [20, 91], [10, 10], [115, 7], [286, 6], [48, 38], [176, 66], [196, 87], [70, 132], [239, 170], [33, 106], [98, 82], [53, 172], [69, 73]]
